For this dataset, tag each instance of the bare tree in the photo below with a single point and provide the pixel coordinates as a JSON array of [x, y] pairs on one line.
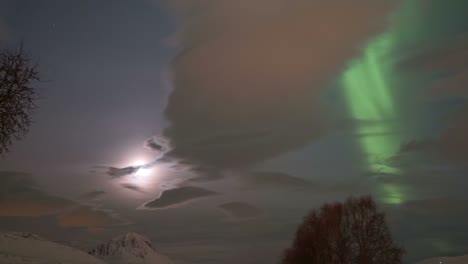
[[17, 96], [354, 232]]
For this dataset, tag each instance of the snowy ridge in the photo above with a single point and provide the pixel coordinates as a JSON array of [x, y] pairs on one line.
[[27, 248], [26, 235], [130, 248]]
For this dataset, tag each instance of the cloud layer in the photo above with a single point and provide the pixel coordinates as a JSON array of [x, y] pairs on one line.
[[446, 61], [270, 179], [248, 81], [178, 196], [19, 197]]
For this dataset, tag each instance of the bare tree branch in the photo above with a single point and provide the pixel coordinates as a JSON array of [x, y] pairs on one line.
[[17, 95]]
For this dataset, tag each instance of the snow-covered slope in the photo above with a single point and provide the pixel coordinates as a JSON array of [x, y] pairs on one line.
[[27, 248], [446, 260], [130, 248]]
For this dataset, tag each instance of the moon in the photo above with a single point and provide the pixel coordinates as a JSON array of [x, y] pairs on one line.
[[142, 175], [143, 172]]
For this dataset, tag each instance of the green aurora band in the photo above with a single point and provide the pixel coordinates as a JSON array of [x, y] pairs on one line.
[[368, 91], [383, 100], [370, 85]]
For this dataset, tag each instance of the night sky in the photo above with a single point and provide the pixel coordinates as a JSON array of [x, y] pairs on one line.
[[213, 127]]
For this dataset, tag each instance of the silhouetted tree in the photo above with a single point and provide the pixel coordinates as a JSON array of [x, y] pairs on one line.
[[354, 232], [17, 96]]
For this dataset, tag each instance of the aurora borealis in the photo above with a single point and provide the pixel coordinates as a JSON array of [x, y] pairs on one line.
[[369, 90], [386, 102]]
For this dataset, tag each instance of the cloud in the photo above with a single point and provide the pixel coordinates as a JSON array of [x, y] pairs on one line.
[[20, 197], [452, 143], [204, 174], [240, 210], [417, 145], [158, 144], [115, 172], [261, 180], [248, 83], [178, 196], [270, 179], [443, 62], [84, 216], [132, 187], [443, 56], [153, 145]]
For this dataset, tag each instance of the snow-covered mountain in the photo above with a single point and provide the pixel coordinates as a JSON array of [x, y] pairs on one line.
[[446, 260], [130, 248], [27, 248]]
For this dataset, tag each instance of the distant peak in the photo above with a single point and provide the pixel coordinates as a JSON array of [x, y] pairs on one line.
[[130, 243]]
